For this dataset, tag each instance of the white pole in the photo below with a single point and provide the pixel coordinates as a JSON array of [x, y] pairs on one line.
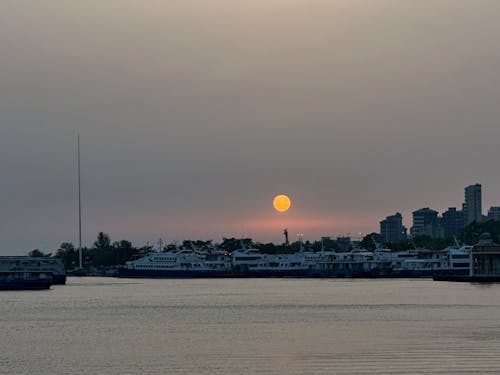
[[79, 207]]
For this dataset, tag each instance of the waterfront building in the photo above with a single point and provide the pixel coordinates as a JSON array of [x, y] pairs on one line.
[[392, 229], [485, 258], [425, 222], [452, 222], [494, 213], [473, 204]]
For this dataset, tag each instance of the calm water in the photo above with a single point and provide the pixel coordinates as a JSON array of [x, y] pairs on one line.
[[244, 326]]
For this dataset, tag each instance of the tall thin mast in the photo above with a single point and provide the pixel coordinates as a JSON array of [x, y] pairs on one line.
[[79, 206]]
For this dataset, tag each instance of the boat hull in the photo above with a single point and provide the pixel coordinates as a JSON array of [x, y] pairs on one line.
[[427, 273], [467, 278], [166, 274], [25, 284], [278, 273], [334, 274]]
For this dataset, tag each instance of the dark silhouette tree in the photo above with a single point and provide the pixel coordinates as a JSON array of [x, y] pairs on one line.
[[368, 242], [232, 244], [68, 254], [103, 241], [36, 253], [123, 251]]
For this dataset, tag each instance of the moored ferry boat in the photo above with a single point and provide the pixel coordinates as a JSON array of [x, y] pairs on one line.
[[18, 273], [247, 262], [23, 272], [250, 262], [423, 263], [281, 265], [460, 260], [181, 263], [458, 264], [52, 266], [355, 263], [24, 280]]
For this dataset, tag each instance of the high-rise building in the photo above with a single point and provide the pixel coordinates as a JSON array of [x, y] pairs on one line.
[[494, 213], [392, 229], [425, 222], [472, 205], [452, 222]]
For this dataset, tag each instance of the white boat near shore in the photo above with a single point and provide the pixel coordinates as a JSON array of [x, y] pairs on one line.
[[250, 262]]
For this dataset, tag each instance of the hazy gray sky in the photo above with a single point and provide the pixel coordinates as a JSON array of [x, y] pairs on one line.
[[193, 114]]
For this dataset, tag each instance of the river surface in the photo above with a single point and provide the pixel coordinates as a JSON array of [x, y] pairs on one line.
[[251, 326]]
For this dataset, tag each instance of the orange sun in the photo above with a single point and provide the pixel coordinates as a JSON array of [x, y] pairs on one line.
[[281, 203]]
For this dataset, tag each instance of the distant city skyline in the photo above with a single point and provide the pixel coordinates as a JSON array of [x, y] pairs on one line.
[[429, 222], [194, 115]]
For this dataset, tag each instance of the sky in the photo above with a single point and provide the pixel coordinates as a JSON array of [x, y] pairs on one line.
[[194, 114]]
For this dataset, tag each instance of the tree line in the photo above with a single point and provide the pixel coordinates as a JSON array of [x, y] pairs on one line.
[[106, 253]]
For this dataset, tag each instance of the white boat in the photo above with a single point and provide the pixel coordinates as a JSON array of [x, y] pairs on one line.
[[459, 260], [181, 263], [283, 265], [424, 263], [355, 263], [250, 262]]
